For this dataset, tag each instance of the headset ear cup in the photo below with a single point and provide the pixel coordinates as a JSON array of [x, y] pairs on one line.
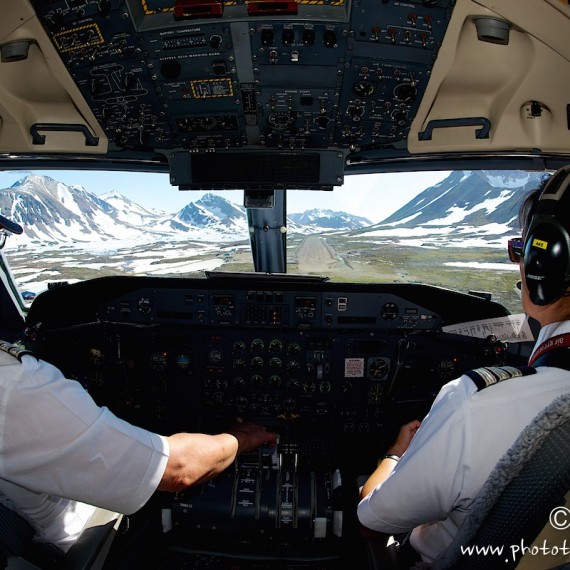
[[546, 260], [546, 255]]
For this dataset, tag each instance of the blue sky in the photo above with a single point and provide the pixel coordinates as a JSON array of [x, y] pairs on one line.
[[374, 196]]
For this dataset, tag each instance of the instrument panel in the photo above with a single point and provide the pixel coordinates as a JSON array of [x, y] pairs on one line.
[[277, 350], [333, 368]]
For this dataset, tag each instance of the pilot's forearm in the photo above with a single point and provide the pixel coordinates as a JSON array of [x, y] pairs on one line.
[[196, 457], [395, 451], [382, 472]]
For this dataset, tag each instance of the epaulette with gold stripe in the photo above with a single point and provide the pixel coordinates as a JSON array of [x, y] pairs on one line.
[[14, 350], [490, 375]]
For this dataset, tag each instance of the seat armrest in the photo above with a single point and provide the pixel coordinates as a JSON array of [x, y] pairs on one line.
[[94, 542]]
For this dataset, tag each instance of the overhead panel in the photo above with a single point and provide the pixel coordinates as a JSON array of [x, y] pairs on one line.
[[221, 75], [205, 75]]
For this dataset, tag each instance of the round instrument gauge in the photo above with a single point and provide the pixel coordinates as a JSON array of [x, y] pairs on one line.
[[378, 368], [144, 305], [389, 311]]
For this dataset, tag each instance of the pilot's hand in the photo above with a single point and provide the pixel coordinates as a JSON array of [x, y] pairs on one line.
[[404, 438], [251, 436]]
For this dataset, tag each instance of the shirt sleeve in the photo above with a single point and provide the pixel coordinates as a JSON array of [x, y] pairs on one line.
[[427, 481], [56, 440]]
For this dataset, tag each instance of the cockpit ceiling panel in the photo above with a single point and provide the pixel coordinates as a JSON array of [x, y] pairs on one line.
[[329, 75], [383, 79]]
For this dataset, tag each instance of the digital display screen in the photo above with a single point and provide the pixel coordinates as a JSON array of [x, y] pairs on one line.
[[305, 302]]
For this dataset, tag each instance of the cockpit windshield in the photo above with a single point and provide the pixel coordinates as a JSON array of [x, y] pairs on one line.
[[445, 228]]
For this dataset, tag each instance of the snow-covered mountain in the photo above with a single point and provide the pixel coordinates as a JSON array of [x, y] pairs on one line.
[[53, 213], [130, 212], [480, 206], [211, 216], [317, 220], [471, 198]]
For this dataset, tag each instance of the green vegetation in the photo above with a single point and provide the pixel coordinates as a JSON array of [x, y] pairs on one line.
[[339, 258]]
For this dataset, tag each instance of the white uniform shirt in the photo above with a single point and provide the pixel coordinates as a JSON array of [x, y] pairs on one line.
[[457, 446], [61, 453]]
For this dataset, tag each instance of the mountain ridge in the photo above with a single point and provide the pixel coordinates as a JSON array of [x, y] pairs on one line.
[[484, 203], [477, 205], [500, 202], [52, 212]]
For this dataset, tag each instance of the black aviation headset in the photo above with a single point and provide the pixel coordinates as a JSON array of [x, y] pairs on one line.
[[547, 245]]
